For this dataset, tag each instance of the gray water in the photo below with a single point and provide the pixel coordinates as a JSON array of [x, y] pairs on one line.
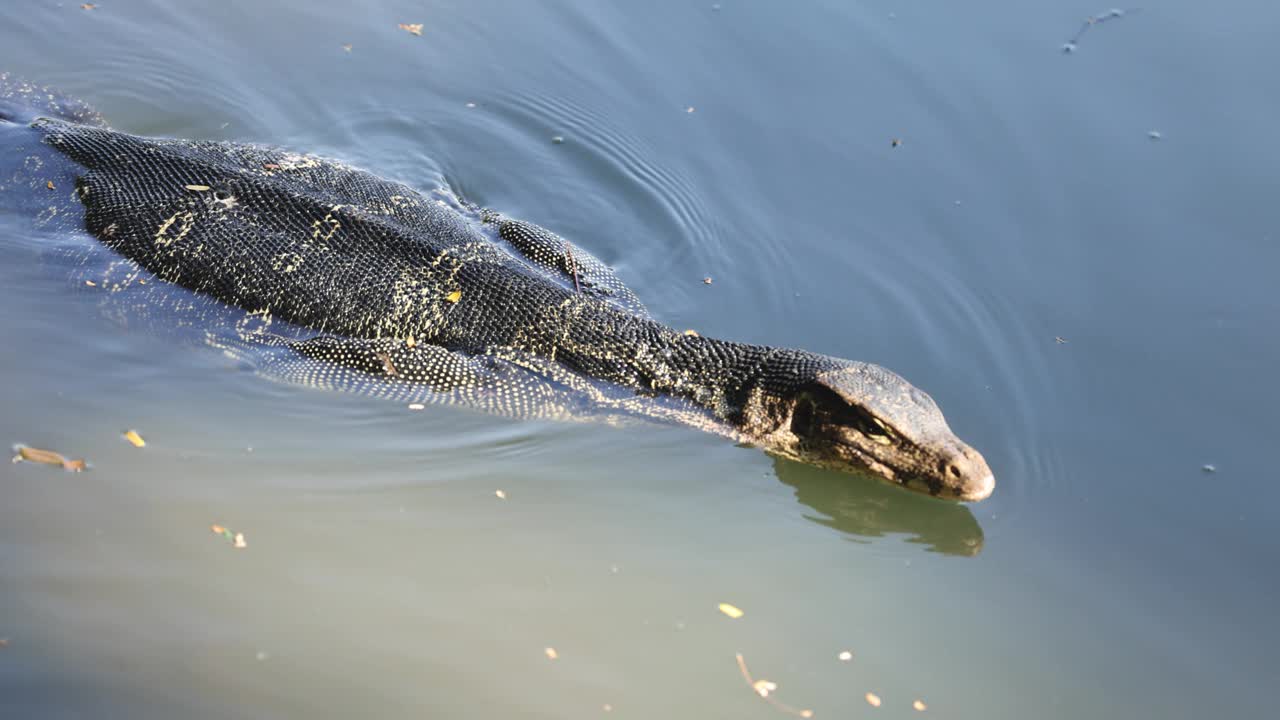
[[1094, 307]]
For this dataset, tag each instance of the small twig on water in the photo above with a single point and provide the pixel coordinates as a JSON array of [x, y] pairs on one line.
[[573, 268], [765, 689], [1070, 45]]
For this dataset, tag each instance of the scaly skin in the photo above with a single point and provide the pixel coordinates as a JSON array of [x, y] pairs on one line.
[[385, 287]]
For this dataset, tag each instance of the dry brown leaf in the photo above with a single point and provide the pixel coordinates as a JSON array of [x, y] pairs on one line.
[[413, 28], [47, 457], [87, 6], [873, 700], [217, 529], [387, 366], [133, 437], [49, 185]]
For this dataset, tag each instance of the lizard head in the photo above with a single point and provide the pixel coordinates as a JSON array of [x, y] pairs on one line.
[[862, 417]]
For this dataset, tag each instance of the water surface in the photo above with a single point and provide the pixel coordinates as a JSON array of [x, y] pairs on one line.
[[1093, 307]]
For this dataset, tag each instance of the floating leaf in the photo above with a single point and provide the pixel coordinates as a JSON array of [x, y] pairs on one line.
[[500, 494], [919, 706], [197, 188], [454, 296], [873, 699], [731, 611], [49, 185], [87, 6], [412, 28], [133, 437], [551, 653]]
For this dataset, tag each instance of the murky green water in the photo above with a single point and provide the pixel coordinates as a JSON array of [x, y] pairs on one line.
[[1109, 576]]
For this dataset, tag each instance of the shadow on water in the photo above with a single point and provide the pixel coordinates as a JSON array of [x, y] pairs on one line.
[[864, 508]]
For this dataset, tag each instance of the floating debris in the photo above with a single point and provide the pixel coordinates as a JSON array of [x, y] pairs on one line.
[[197, 188], [133, 437], [573, 267], [87, 6], [692, 333], [454, 296], [895, 142], [731, 611], [551, 653], [90, 283], [49, 184], [1071, 45], [689, 109], [387, 366], [237, 539], [873, 699], [706, 280], [412, 28], [347, 47], [417, 406], [1209, 468], [46, 457], [500, 494], [919, 706], [766, 688], [1155, 135], [557, 139], [845, 656], [1060, 340], [410, 341], [471, 104], [4, 642]]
